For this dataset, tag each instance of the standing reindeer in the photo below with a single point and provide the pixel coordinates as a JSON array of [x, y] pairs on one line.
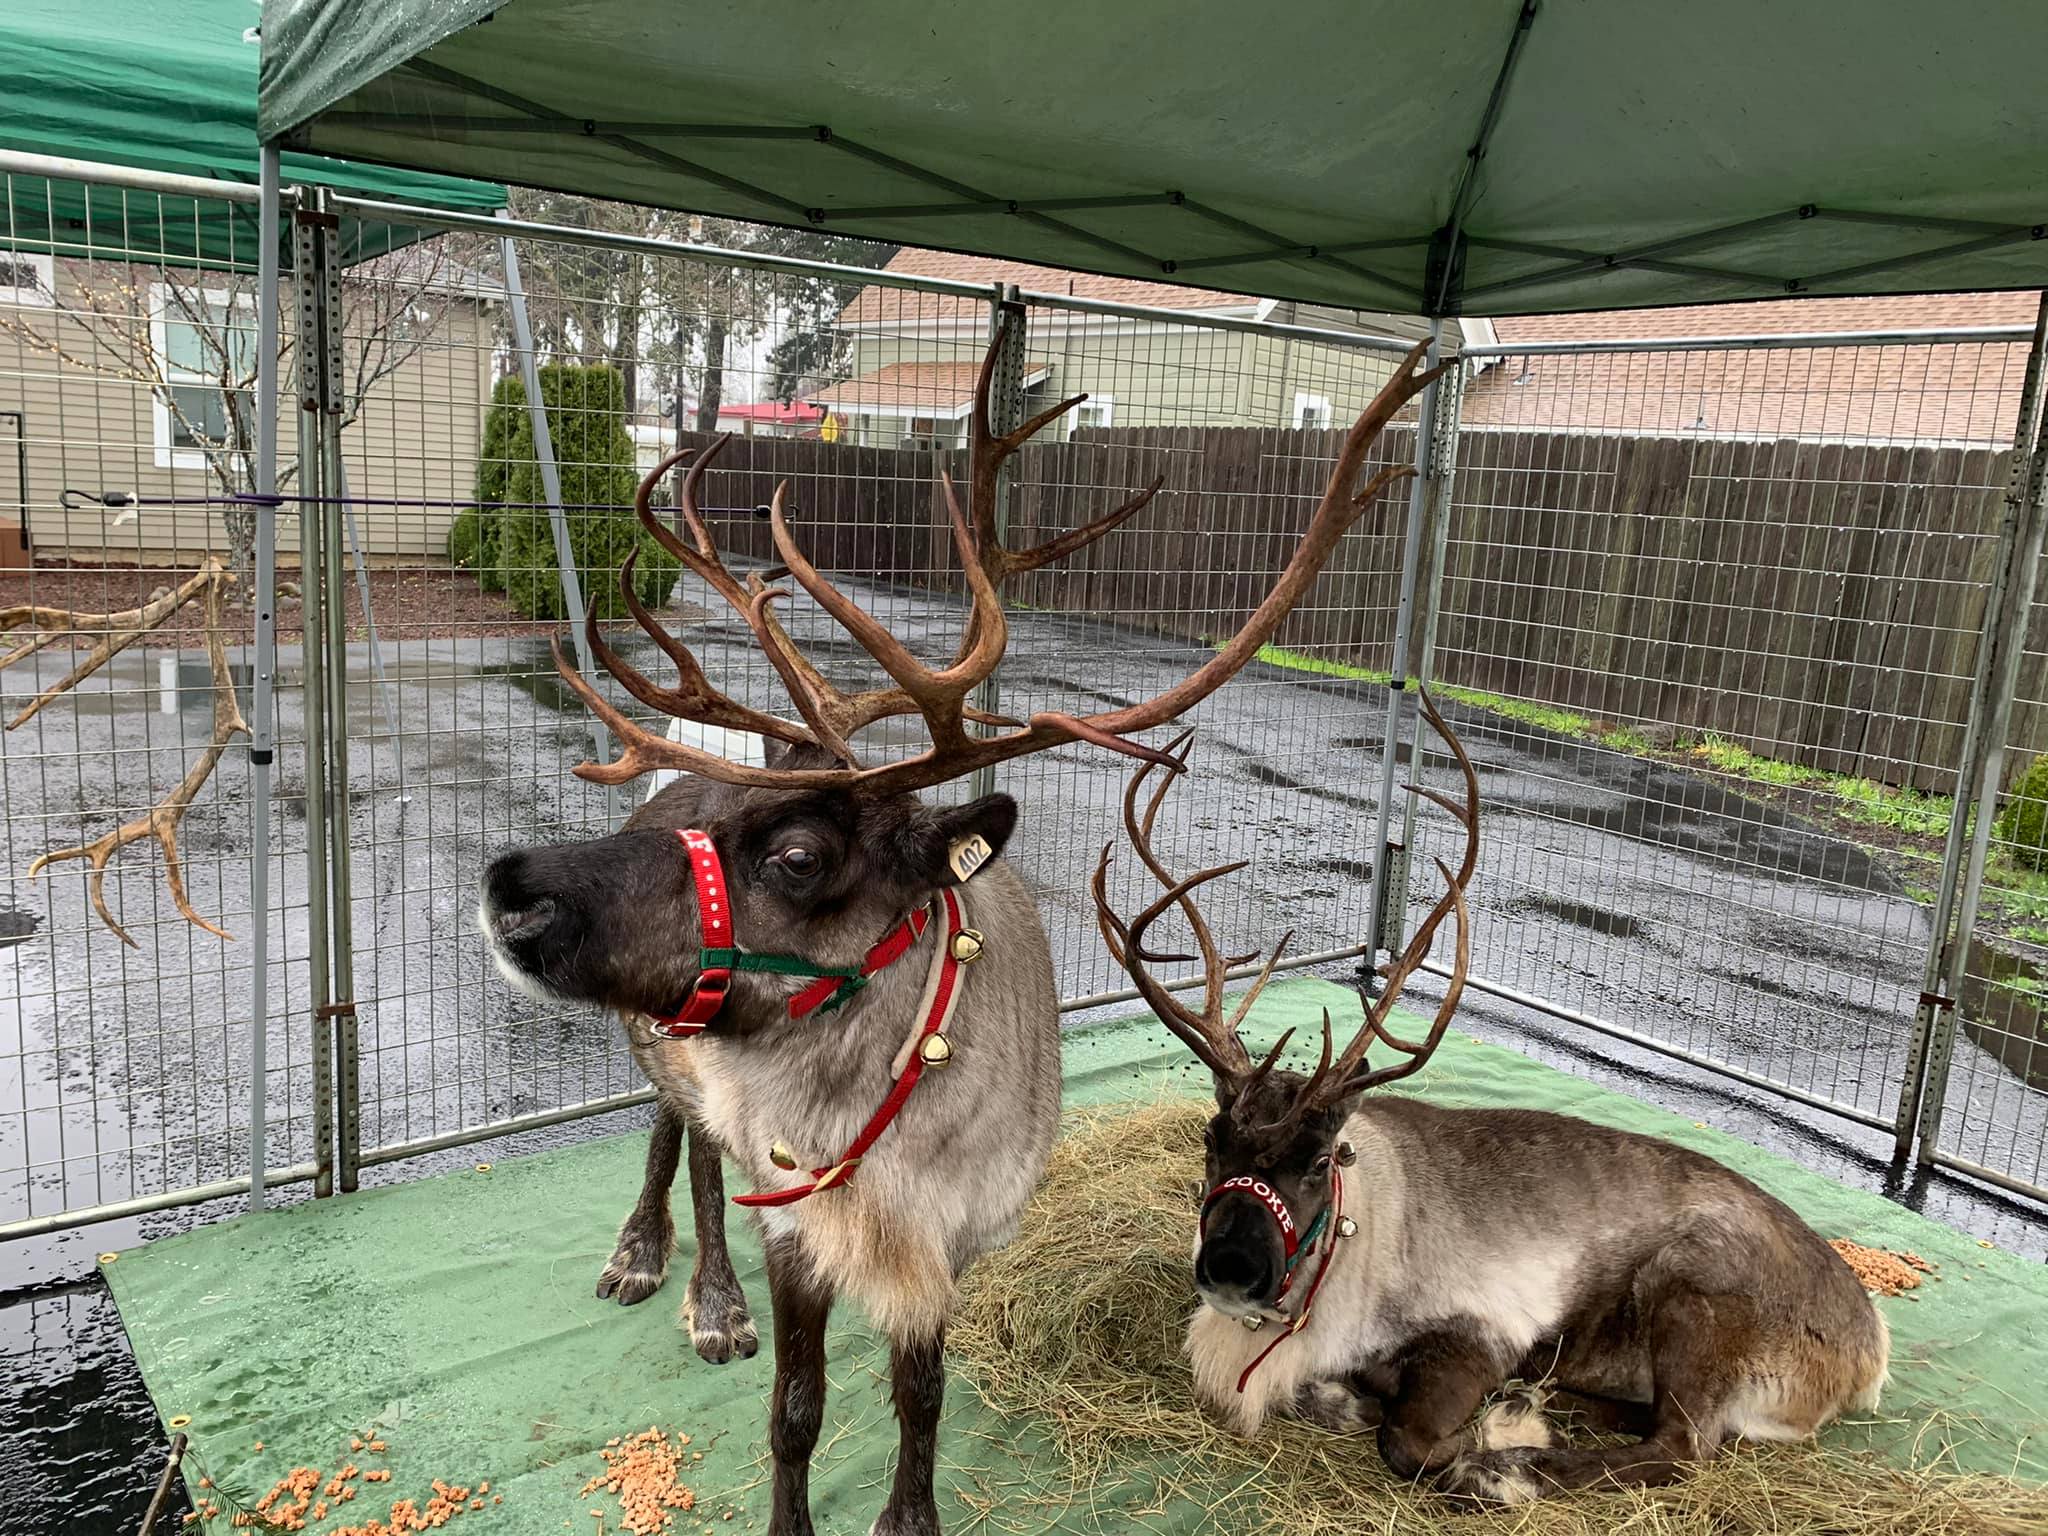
[[1385, 1261], [843, 989]]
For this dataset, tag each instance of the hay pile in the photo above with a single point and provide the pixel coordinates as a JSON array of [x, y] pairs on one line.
[[1078, 1324]]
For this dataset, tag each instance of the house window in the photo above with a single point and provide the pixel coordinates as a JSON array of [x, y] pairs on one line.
[[206, 345], [27, 279], [1095, 411], [1311, 411]]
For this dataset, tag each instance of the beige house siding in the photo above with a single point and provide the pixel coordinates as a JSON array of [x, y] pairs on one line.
[[1150, 374], [90, 429]]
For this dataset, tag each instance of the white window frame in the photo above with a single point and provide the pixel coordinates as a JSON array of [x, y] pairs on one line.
[[44, 294], [167, 455], [1102, 406], [1305, 402]]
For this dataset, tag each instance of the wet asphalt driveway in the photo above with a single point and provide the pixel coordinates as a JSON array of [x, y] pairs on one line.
[[1632, 891]]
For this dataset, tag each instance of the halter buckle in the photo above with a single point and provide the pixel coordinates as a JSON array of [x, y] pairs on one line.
[[707, 996]]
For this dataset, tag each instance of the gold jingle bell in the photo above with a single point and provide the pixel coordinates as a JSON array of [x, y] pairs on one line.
[[935, 1050], [967, 945], [1252, 1322], [782, 1157]]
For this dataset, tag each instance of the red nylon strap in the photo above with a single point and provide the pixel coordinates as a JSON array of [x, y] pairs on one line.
[[714, 917], [1269, 1197], [840, 1172], [886, 952], [1335, 1229]]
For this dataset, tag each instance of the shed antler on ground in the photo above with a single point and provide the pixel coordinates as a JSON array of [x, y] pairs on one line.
[[116, 632]]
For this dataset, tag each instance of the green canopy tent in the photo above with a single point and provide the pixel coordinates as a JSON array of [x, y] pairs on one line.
[[1478, 157], [162, 85], [1462, 157]]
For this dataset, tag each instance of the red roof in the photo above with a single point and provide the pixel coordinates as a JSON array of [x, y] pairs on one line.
[[794, 412]]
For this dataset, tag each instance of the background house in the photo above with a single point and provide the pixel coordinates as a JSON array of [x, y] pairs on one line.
[[1963, 393], [912, 357], [93, 355]]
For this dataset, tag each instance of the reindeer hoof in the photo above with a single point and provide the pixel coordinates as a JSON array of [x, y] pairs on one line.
[[721, 1329], [1517, 1422], [638, 1265], [908, 1520], [1497, 1478], [628, 1286]]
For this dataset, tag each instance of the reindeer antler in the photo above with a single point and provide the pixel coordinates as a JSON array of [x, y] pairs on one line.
[[1206, 1032], [118, 631], [940, 695], [1213, 1039]]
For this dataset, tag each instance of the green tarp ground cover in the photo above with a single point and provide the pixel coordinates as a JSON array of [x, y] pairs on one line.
[[163, 85], [455, 1317], [1646, 153]]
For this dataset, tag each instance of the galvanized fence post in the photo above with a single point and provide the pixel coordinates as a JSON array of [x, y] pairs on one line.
[[2008, 607], [312, 238], [1440, 479], [332, 579], [1388, 892], [1006, 410], [551, 492], [1935, 998], [263, 667]]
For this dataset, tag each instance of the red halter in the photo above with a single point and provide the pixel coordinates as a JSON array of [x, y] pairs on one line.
[[935, 1018], [1293, 1241], [718, 956]]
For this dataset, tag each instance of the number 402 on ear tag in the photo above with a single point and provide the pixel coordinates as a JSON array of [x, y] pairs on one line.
[[968, 855]]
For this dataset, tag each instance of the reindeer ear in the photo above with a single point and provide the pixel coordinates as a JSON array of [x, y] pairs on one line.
[[949, 847]]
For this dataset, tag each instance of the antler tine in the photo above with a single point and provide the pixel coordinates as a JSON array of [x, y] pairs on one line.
[[1347, 1077], [162, 820], [941, 695], [1414, 1056], [693, 698], [1224, 1057]]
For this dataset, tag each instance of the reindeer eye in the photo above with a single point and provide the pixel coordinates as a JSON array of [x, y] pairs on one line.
[[1323, 1163], [799, 861]]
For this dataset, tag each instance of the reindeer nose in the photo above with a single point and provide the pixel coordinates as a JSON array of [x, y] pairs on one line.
[[514, 908], [1234, 1267]]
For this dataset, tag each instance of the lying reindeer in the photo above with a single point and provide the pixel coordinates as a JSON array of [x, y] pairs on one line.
[[798, 948], [1386, 1261]]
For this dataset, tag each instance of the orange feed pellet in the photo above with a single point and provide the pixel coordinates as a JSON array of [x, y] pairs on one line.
[[1880, 1270], [640, 1471]]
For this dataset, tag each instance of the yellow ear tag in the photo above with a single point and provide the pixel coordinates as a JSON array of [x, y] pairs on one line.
[[968, 855]]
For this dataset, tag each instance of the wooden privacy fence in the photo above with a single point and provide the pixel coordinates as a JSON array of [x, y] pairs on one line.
[[1817, 602]]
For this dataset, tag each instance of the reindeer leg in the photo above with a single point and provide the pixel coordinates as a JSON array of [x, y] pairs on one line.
[[917, 1371], [1443, 1379], [802, 1303], [1698, 1353], [714, 1307], [640, 1262]]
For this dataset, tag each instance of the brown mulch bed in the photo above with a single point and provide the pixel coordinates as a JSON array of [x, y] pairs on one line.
[[409, 604]]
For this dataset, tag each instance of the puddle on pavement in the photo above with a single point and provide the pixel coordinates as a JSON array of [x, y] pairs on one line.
[[1614, 925]]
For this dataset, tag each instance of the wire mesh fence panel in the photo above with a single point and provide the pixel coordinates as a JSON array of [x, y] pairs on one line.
[[855, 391], [1710, 619], [128, 325], [1995, 1109]]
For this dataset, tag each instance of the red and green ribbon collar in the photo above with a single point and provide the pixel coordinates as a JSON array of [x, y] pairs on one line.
[[719, 954]]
